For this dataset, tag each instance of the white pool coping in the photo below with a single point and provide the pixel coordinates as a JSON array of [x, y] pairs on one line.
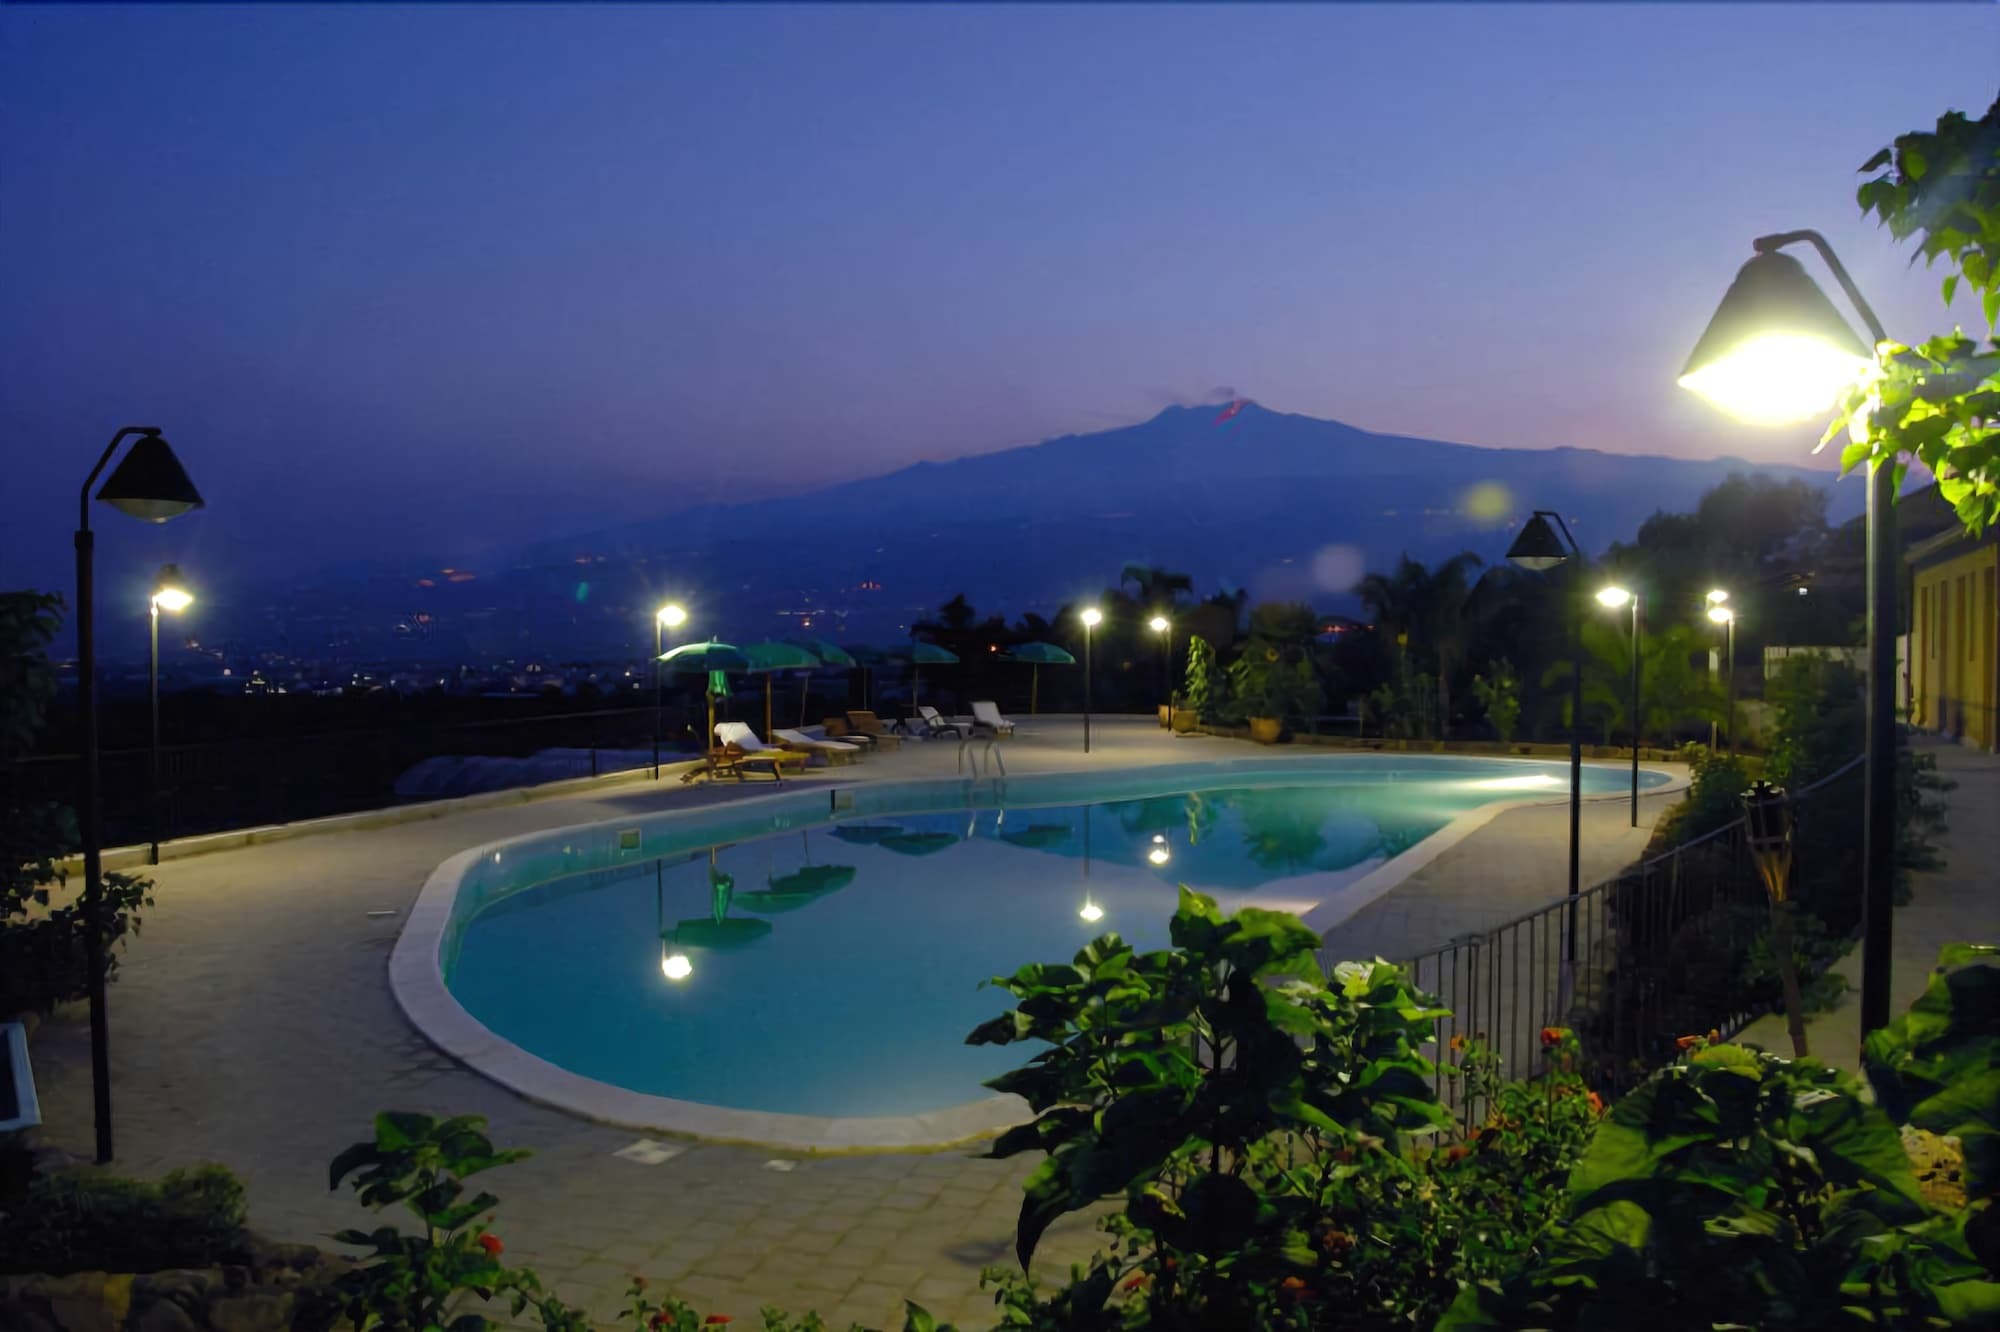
[[416, 978]]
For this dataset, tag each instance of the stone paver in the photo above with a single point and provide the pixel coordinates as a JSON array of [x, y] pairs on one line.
[[252, 1024]]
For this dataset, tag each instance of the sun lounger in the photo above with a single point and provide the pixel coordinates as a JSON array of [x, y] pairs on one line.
[[741, 751], [833, 751], [870, 725], [986, 718], [933, 722]]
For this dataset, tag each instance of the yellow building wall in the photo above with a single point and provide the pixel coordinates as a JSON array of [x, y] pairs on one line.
[[1955, 647]]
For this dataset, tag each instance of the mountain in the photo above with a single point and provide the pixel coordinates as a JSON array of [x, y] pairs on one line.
[[1281, 504]]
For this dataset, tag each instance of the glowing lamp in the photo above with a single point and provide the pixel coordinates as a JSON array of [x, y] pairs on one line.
[[675, 966], [1159, 855], [1721, 614], [672, 615], [168, 593], [1613, 598], [1091, 912], [1776, 351], [1717, 596], [1159, 624], [1092, 618]]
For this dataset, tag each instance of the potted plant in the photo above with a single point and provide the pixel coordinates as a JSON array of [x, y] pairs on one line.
[[1259, 677], [1197, 695]]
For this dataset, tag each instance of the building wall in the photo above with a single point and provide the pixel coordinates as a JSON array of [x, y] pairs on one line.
[[1955, 641]]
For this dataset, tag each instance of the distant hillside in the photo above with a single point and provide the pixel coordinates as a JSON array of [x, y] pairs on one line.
[[1282, 504]]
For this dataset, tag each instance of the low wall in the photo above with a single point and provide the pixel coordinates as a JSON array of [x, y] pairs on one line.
[[1467, 747], [283, 1289]]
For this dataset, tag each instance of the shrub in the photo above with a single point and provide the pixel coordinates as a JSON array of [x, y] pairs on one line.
[[1500, 694], [76, 1221]]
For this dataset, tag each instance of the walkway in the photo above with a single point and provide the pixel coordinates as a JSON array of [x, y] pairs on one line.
[[1957, 904], [252, 1024]]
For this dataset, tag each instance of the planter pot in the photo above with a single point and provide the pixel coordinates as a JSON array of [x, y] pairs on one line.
[[1185, 720], [1165, 714], [1264, 730]]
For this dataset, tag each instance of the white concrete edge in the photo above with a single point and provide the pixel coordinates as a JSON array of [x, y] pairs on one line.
[[416, 978]]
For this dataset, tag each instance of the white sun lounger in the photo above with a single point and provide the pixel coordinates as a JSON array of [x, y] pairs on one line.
[[834, 751], [986, 717]]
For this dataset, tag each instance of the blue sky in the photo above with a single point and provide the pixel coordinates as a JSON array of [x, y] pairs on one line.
[[405, 279]]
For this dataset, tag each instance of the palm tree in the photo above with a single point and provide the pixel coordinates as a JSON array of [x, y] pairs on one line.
[[1673, 692], [1428, 606]]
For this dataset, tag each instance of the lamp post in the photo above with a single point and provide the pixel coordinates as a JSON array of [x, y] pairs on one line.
[[168, 595], [149, 484], [1775, 352], [1538, 549], [1091, 617], [1164, 627], [1726, 617], [669, 616], [1614, 598]]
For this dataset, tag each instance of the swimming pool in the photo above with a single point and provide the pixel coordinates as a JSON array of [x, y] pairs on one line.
[[818, 956]]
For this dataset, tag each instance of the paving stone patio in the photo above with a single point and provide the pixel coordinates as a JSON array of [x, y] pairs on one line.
[[252, 1024]]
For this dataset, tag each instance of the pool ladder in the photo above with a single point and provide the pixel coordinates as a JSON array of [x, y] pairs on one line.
[[993, 765]]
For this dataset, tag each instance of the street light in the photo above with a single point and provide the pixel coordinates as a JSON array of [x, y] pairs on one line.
[[669, 616], [1616, 598], [168, 595], [1726, 617], [1539, 549], [1164, 627], [1777, 351], [1091, 617], [150, 484]]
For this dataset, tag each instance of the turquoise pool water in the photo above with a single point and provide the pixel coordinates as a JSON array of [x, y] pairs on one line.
[[834, 968]]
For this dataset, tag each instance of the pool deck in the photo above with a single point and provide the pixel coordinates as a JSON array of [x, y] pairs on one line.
[[252, 1024]]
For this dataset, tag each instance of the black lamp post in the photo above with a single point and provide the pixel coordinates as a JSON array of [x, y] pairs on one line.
[[169, 594], [149, 484], [1539, 549], [1776, 351]]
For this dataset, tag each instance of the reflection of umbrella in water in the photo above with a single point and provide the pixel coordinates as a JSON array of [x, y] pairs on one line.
[[918, 843], [789, 892], [1039, 655], [1039, 836], [868, 834], [720, 932], [767, 659]]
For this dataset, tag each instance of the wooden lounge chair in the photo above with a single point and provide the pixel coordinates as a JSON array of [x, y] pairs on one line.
[[986, 719], [741, 752], [833, 751], [870, 725]]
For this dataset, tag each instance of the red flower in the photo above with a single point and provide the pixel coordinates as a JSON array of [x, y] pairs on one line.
[[1343, 1154], [1596, 1104], [1336, 1242], [659, 1319], [717, 1319], [492, 1245], [1137, 1281], [1455, 1153], [1296, 1287], [1688, 1042], [1552, 1036], [1458, 1042], [1168, 1264]]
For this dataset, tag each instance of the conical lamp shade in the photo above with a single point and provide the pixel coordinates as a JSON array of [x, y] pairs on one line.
[[1537, 547], [150, 483], [1776, 350]]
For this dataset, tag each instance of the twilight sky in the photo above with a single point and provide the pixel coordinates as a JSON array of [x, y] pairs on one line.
[[403, 281]]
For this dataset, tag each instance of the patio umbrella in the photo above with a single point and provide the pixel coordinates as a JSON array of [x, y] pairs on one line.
[[714, 660], [719, 930], [767, 659], [923, 654], [919, 843], [1039, 655], [829, 654], [1039, 835], [789, 892], [868, 834]]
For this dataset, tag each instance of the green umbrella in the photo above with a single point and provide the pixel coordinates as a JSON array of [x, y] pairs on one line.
[[829, 654], [789, 892], [767, 659], [1039, 655], [714, 660], [720, 931], [868, 834], [1039, 835], [923, 654], [919, 844]]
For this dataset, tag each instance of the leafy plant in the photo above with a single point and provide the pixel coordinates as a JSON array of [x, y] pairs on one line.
[[1199, 688], [75, 1221], [1938, 1066], [1939, 400], [1500, 694]]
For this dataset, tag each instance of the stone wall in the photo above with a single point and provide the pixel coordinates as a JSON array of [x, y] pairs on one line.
[[282, 1288]]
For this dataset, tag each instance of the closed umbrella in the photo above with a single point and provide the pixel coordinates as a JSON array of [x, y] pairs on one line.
[[714, 660], [767, 659], [925, 654], [1039, 655]]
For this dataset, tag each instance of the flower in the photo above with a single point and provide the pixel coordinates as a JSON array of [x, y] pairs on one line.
[[658, 1320], [492, 1245], [1296, 1287], [1596, 1104], [1336, 1242], [1137, 1281], [716, 1320], [1455, 1153], [1688, 1042], [1714, 1036], [1552, 1036], [1343, 1154], [1458, 1042]]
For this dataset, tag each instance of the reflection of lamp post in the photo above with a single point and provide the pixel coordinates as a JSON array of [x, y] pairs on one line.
[[1775, 352], [1538, 549], [669, 616], [1091, 618], [1768, 816], [1726, 617], [1091, 911], [1164, 627], [675, 965], [1613, 598], [170, 596], [150, 484]]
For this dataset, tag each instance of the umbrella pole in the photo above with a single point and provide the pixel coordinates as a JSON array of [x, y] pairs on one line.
[[1034, 687], [708, 738], [767, 708], [805, 697]]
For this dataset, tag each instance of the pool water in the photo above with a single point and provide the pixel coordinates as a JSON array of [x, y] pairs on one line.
[[835, 970]]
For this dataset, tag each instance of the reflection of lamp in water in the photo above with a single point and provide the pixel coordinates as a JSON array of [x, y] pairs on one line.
[[1091, 911], [1159, 854], [674, 966]]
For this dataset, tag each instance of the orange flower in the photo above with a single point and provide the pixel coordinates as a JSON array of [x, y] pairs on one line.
[[717, 1319], [1455, 1153], [492, 1245], [1137, 1281], [1596, 1104], [1458, 1042], [1552, 1036], [1336, 1242], [1688, 1042], [1714, 1036], [1296, 1287]]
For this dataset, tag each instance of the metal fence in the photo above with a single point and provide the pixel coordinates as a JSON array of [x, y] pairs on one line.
[[1674, 945], [280, 779]]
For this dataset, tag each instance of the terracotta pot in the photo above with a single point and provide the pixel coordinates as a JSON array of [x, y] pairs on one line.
[[1185, 720], [1164, 714], [1264, 730]]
